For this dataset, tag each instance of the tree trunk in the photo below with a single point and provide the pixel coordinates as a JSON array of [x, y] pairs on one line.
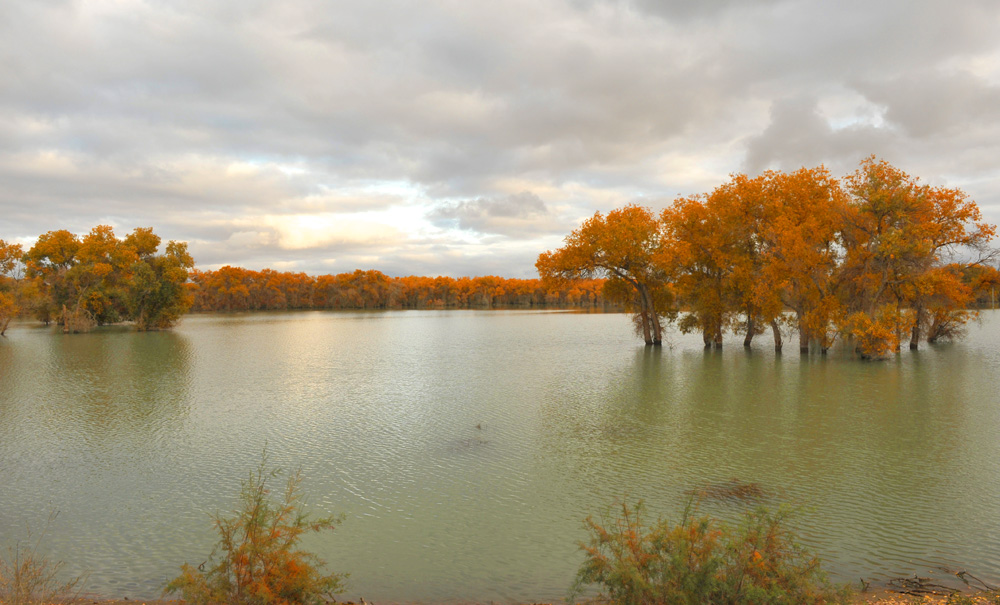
[[706, 335], [803, 336], [645, 327], [650, 322], [653, 316], [718, 334], [4, 322], [915, 331], [751, 328], [657, 330], [777, 335]]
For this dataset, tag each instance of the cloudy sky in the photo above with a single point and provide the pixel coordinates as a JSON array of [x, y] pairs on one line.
[[464, 137]]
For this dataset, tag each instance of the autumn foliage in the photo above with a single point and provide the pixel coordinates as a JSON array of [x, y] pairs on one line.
[[257, 560], [83, 281], [627, 247], [237, 289], [98, 279], [876, 257], [700, 560]]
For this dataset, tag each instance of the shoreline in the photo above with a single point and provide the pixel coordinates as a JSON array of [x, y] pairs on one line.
[[872, 597]]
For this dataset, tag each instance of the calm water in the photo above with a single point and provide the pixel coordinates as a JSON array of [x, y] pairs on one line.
[[136, 438]]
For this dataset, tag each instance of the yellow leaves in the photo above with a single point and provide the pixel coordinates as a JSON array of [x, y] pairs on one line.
[[259, 559], [878, 334], [627, 246], [52, 250], [101, 269], [11, 255], [836, 252]]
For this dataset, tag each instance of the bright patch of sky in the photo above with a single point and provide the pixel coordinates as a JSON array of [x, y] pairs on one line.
[[851, 110]]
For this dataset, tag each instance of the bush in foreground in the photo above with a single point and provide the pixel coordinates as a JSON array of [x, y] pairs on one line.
[[29, 578], [700, 560], [258, 559]]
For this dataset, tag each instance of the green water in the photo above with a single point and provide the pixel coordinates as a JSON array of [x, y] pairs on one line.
[[466, 447]]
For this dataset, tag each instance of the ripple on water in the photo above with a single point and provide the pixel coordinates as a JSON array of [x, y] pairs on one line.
[[137, 441]]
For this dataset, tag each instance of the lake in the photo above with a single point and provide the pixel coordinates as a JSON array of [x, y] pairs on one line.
[[466, 447]]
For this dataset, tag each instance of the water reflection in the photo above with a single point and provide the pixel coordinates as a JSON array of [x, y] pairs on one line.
[[83, 424], [467, 447], [856, 446], [114, 391]]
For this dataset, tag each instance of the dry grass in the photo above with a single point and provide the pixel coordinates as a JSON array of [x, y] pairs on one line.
[[29, 578], [887, 598]]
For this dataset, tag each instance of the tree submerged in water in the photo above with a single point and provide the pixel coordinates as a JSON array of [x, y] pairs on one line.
[[625, 247], [258, 557], [97, 279], [875, 257]]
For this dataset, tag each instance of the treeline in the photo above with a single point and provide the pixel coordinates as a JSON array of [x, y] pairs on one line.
[[96, 279], [236, 289], [875, 257], [80, 282]]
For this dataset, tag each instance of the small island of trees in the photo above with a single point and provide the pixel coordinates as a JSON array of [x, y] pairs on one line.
[[97, 279], [876, 257]]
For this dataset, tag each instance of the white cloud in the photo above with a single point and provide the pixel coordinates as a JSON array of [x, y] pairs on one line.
[[307, 231]]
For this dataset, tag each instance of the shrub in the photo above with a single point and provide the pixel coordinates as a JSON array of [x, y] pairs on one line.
[[258, 560], [28, 578], [700, 561]]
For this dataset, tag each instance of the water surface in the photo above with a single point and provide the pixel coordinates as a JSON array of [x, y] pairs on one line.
[[466, 447]]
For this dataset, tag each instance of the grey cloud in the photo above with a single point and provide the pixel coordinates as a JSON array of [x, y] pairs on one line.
[[178, 87], [621, 99], [519, 215], [799, 136], [684, 10], [931, 102]]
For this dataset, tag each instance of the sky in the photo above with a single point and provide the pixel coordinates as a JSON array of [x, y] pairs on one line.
[[464, 137]]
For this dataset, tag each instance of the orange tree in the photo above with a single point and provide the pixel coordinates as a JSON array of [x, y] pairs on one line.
[[11, 271], [722, 256], [744, 209], [897, 233], [626, 247], [802, 231], [100, 279], [47, 263], [983, 280], [701, 254]]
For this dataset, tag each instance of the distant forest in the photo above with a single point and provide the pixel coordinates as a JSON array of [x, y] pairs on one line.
[[236, 289], [80, 282]]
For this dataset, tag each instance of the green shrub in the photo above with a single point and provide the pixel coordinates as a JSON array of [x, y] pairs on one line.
[[29, 578], [258, 561], [700, 560]]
